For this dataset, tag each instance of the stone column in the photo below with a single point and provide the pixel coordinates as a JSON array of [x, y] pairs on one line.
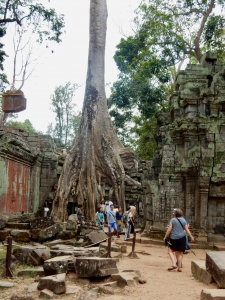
[[203, 200]]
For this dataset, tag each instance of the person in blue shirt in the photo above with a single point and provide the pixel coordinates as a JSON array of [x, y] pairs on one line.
[[111, 216], [100, 220]]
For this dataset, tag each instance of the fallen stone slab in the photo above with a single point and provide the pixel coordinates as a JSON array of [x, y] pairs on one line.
[[125, 278], [16, 225], [71, 225], [88, 295], [49, 232], [3, 220], [96, 237], [215, 266], [6, 284], [22, 253], [21, 297], [212, 294], [57, 265], [199, 272], [46, 294], [41, 222], [35, 257], [20, 235], [54, 283], [32, 288], [4, 233], [32, 272], [95, 267]]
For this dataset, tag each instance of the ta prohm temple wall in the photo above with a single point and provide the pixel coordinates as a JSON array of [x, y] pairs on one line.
[[189, 161]]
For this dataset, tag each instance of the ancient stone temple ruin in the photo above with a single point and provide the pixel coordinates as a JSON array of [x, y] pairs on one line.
[[189, 162], [30, 165], [187, 170]]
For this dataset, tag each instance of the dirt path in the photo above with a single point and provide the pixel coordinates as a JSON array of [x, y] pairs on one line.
[[161, 284]]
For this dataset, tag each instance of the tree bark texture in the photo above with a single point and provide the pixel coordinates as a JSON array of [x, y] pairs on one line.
[[94, 159]]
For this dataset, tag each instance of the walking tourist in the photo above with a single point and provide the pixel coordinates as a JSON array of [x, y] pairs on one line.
[[79, 213], [100, 218], [107, 207], [119, 216], [177, 240], [111, 215], [130, 224]]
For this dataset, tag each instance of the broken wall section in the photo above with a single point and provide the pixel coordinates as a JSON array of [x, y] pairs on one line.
[[28, 170]]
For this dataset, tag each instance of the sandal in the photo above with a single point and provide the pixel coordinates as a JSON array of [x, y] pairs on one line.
[[179, 270], [172, 268]]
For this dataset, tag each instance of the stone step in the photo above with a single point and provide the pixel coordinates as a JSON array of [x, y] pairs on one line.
[[199, 272], [16, 225], [212, 294], [215, 265]]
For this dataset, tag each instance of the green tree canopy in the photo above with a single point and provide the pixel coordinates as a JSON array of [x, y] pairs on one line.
[[45, 22], [166, 34], [26, 125], [67, 121]]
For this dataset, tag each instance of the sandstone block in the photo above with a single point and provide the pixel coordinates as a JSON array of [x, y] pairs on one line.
[[96, 237], [3, 220], [215, 266], [125, 278], [46, 294], [198, 270], [212, 294], [55, 283], [49, 232], [35, 257], [20, 235], [95, 266], [16, 225], [41, 222], [57, 265], [22, 253]]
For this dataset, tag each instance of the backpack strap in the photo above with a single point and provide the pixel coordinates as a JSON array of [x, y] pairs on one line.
[[180, 223]]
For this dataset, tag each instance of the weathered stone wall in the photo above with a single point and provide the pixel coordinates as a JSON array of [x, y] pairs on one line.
[[28, 170], [189, 161]]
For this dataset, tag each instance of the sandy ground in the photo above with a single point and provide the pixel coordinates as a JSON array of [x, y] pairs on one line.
[[161, 284]]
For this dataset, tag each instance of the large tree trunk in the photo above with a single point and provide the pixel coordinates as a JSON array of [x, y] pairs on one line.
[[94, 159]]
